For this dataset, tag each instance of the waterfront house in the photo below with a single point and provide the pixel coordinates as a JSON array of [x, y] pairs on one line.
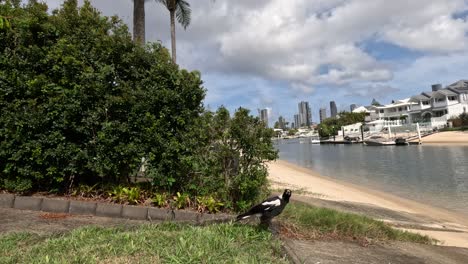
[[438, 106], [396, 111], [363, 109]]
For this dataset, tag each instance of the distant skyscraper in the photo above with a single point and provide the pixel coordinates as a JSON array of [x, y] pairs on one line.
[[264, 116], [333, 110], [297, 121], [323, 114], [352, 107], [305, 115], [281, 122]]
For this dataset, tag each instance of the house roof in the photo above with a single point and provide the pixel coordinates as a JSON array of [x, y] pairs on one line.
[[361, 109], [419, 97], [461, 84], [406, 100], [428, 94], [398, 103], [445, 92]]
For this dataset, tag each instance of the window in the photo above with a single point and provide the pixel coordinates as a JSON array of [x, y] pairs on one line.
[[439, 100], [381, 111], [400, 109], [425, 102], [452, 98]]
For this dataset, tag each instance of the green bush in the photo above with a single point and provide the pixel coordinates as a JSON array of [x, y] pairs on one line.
[[81, 103], [232, 165], [331, 126]]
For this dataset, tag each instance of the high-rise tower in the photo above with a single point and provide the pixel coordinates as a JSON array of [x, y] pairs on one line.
[[333, 110]]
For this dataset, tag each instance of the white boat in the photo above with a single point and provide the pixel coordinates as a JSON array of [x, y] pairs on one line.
[[314, 141], [379, 141]]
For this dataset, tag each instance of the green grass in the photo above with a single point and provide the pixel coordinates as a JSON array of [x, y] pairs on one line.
[[314, 222], [454, 129], [164, 243]]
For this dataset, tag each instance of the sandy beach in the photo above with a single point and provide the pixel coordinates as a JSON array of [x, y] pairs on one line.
[[449, 227], [447, 138]]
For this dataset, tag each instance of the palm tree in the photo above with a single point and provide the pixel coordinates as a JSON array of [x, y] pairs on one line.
[[139, 21], [181, 10]]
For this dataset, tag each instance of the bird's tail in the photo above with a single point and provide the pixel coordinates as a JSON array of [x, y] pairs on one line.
[[242, 216]]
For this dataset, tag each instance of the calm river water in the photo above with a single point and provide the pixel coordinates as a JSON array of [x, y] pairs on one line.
[[437, 175]]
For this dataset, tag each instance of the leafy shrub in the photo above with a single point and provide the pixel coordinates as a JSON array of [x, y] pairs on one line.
[[118, 194], [85, 190], [464, 119], [232, 161], [17, 185], [208, 203], [182, 200], [331, 126], [81, 103], [160, 200], [131, 195]]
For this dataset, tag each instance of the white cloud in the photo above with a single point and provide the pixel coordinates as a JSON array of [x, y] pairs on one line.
[[292, 40], [304, 44], [442, 34]]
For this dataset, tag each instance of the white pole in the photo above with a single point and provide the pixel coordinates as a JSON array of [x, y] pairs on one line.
[[389, 132], [419, 133]]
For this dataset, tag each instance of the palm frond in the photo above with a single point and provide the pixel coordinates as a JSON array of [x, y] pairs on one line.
[[183, 13]]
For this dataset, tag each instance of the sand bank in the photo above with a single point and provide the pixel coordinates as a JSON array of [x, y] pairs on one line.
[[283, 174], [448, 138]]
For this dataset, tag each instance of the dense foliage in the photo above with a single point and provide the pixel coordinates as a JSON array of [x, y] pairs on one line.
[[233, 162], [460, 121], [81, 102], [81, 105], [331, 126]]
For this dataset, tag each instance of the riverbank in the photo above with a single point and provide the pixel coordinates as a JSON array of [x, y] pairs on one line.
[[449, 227], [447, 138]]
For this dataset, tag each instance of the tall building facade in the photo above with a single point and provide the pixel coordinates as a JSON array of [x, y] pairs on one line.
[[352, 107], [264, 116], [281, 122], [333, 110], [323, 114], [305, 115], [297, 121]]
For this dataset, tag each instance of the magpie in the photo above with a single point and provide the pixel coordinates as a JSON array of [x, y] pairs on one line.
[[269, 208]]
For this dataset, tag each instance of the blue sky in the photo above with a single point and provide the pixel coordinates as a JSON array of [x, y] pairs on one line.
[[274, 53]]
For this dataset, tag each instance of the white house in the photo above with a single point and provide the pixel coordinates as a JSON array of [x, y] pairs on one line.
[[363, 109], [398, 110], [440, 105], [351, 130]]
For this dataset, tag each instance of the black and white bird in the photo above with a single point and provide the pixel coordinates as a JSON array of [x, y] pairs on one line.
[[269, 208]]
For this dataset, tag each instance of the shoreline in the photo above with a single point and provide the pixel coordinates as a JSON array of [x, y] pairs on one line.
[[449, 138], [283, 174]]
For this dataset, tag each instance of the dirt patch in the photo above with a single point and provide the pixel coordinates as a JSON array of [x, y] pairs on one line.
[[13, 220], [340, 252], [54, 216]]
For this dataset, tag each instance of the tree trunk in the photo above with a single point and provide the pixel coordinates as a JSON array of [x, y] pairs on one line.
[[139, 21], [173, 36]]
